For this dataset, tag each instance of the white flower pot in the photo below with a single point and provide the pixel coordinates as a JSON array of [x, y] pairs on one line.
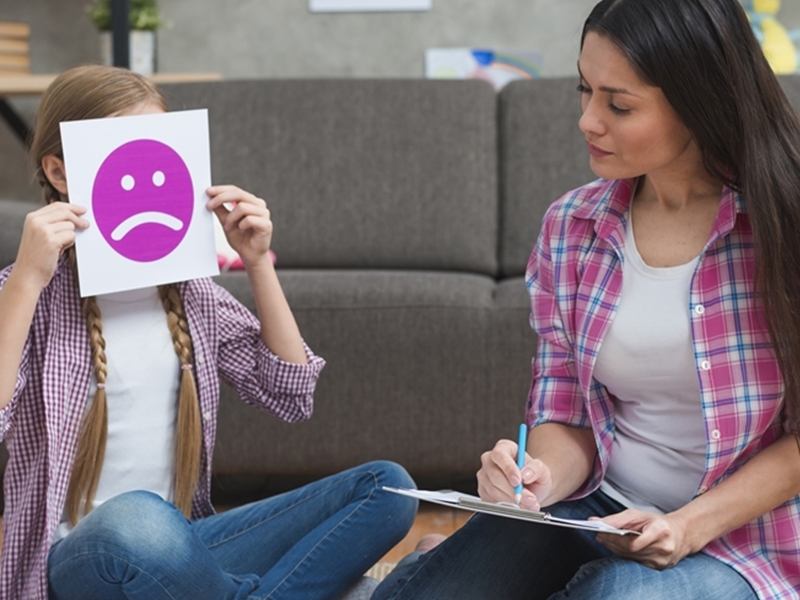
[[142, 51]]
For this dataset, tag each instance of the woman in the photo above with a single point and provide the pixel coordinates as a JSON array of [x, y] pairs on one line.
[[108, 408], [666, 390]]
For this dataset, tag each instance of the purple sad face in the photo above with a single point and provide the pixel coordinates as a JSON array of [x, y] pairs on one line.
[[143, 200]]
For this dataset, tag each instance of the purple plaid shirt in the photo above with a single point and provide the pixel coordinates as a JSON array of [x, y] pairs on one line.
[[574, 279], [40, 426]]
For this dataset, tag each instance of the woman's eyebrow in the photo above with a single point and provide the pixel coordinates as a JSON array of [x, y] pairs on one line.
[[614, 90], [608, 89]]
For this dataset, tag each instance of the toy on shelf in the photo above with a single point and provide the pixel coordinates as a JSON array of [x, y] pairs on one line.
[[778, 44]]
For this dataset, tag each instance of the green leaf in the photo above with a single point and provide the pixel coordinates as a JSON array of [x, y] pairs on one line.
[[144, 15]]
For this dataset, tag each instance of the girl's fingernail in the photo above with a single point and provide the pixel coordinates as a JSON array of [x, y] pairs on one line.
[[527, 473]]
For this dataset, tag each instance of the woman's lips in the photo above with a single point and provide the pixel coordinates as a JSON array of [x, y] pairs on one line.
[[597, 152]]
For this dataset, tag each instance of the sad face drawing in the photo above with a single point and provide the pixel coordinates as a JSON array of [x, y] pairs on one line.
[[143, 199]]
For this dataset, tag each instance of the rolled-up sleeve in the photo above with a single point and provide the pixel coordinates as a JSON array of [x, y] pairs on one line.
[[555, 393], [259, 376], [8, 412]]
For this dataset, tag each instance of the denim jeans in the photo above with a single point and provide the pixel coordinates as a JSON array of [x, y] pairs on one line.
[[498, 558], [311, 543]]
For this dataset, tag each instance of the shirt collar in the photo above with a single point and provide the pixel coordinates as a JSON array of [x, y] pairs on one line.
[[609, 202]]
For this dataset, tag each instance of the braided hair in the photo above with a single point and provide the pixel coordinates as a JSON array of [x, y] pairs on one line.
[[91, 92]]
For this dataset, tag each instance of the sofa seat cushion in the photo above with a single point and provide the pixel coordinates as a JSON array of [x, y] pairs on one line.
[[438, 357]]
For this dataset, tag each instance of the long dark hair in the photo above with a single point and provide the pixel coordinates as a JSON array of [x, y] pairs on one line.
[[706, 60]]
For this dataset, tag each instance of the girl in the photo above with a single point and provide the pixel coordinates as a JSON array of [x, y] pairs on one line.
[[108, 408], [666, 389]]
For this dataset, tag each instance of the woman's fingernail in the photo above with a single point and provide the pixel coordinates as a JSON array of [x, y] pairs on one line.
[[529, 503]]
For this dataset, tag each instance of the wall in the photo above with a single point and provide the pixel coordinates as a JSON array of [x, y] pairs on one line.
[[280, 38]]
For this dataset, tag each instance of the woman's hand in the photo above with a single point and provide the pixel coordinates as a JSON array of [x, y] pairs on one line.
[[247, 225], [47, 232], [662, 543], [499, 476]]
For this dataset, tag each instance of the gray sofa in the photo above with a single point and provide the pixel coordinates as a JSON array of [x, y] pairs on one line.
[[405, 212]]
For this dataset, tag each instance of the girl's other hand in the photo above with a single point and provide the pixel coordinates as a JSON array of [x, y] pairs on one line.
[[499, 476], [247, 225], [47, 232]]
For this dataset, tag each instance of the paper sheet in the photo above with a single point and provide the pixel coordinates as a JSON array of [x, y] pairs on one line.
[[475, 504], [368, 5], [143, 180]]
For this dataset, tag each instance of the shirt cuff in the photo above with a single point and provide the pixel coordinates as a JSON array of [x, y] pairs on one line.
[[289, 378]]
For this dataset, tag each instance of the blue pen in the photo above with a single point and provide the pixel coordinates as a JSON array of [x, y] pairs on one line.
[[522, 444]]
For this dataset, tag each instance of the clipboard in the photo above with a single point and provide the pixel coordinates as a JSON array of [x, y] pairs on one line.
[[503, 509]]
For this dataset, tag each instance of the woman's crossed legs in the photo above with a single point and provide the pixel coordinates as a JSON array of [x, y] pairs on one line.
[[494, 558]]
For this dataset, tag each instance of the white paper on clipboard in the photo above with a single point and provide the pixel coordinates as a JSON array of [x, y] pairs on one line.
[[475, 504]]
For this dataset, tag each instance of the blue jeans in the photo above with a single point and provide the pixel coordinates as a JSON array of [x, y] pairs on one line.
[[494, 557], [312, 543]]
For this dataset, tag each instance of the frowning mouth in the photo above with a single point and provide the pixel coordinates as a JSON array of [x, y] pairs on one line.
[[142, 218]]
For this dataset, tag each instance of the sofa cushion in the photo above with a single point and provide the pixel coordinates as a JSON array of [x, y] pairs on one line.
[[13, 215], [361, 173], [542, 156], [425, 368], [791, 87]]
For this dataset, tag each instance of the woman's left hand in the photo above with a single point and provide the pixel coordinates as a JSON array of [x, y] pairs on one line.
[[662, 543], [247, 225]]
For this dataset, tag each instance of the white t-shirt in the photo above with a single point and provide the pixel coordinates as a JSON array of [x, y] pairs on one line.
[[142, 395], [647, 363]]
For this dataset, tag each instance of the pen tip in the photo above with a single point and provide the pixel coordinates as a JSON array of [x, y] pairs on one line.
[[517, 499]]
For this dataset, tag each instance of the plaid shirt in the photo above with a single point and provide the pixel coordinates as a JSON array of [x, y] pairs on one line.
[[574, 279], [41, 424]]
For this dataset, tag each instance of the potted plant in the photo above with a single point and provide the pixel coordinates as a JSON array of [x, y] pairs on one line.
[[144, 20]]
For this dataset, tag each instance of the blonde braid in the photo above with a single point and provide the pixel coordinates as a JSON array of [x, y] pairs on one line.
[[94, 433], [49, 193], [188, 437]]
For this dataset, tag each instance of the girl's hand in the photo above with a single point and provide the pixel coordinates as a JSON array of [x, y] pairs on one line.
[[47, 232], [662, 543], [499, 476], [247, 226]]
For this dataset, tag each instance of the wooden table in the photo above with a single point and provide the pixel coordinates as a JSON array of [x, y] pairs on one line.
[[35, 85]]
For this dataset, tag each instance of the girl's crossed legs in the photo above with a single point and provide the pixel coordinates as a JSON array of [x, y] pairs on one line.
[[311, 543]]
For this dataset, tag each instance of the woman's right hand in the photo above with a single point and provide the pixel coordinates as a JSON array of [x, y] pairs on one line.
[[499, 476], [47, 232]]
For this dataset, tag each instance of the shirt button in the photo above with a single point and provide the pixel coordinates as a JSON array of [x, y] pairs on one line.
[[715, 435], [705, 365], [207, 415], [200, 359], [699, 309]]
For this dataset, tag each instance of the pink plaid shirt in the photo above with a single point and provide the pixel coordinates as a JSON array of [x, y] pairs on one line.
[[574, 279], [40, 426]]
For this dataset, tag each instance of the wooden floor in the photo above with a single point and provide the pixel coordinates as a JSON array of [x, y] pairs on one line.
[[431, 518]]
